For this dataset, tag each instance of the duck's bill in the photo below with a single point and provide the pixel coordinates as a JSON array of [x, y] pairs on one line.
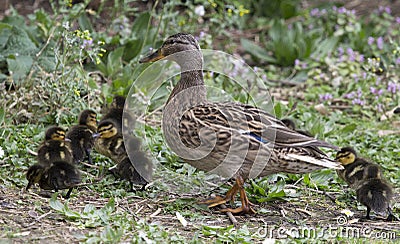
[[157, 55]]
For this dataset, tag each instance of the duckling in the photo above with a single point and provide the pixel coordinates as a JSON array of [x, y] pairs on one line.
[[367, 180], [116, 112], [110, 142], [291, 125], [60, 175], [125, 169], [81, 136], [55, 147]]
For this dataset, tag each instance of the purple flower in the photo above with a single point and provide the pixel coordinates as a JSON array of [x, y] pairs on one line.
[[341, 10], [355, 77], [379, 42], [361, 58], [364, 75], [398, 20], [340, 51], [388, 10], [370, 40], [325, 97], [351, 54], [392, 87], [296, 62], [359, 92], [323, 11], [334, 8], [398, 61], [349, 95], [314, 12], [202, 34], [87, 44], [358, 101]]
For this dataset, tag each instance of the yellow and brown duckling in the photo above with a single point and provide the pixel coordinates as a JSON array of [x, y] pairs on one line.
[[366, 179], [59, 175], [109, 141], [81, 135], [55, 147], [126, 170], [116, 113]]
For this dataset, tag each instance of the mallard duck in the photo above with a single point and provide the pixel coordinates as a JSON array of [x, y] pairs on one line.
[[367, 180], [233, 140], [109, 141], [81, 135], [55, 147], [59, 175], [292, 125]]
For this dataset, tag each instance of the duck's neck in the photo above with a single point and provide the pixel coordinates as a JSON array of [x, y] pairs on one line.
[[191, 85]]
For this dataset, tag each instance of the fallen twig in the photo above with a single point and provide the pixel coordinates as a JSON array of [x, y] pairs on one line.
[[230, 216]]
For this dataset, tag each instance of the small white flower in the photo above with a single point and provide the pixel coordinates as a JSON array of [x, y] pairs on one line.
[[347, 212], [1, 152], [199, 10]]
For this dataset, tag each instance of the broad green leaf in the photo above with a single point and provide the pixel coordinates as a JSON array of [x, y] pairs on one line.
[[56, 205], [19, 66], [256, 51], [140, 24], [349, 128]]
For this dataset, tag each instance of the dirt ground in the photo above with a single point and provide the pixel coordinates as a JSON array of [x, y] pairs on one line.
[[31, 219]]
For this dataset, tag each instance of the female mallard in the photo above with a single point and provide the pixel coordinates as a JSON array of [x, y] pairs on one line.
[[367, 180], [55, 147], [81, 135], [231, 139]]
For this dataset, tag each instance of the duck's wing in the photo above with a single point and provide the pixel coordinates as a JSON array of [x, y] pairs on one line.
[[253, 122]]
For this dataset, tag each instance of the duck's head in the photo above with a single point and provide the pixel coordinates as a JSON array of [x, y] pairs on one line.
[[106, 129], [88, 117], [55, 133], [174, 44], [34, 174], [346, 155]]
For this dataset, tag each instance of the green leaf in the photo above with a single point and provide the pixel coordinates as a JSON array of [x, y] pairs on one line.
[[19, 66], [84, 23], [132, 49], [2, 115], [256, 51], [139, 27], [55, 204], [278, 109], [349, 128]]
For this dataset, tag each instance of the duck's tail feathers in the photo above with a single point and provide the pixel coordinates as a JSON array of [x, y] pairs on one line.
[[323, 162]]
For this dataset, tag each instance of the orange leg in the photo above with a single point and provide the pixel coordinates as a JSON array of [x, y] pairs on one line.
[[230, 196]]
